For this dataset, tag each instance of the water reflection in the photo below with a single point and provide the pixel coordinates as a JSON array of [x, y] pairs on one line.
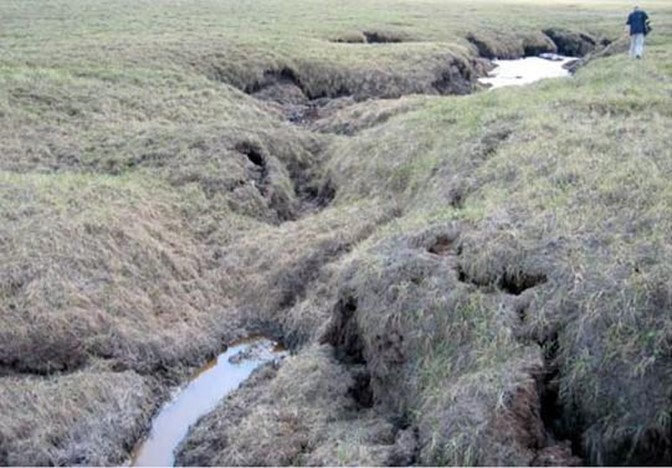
[[204, 391], [526, 70]]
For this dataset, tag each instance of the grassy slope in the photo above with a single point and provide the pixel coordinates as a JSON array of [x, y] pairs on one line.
[[134, 237], [565, 179]]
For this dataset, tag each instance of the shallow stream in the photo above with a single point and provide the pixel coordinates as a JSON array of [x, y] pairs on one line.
[[201, 395]]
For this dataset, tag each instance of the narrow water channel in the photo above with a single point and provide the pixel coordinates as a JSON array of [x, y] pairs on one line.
[[202, 394], [526, 70]]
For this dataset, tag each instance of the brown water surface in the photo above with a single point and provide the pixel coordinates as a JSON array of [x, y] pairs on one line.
[[203, 392]]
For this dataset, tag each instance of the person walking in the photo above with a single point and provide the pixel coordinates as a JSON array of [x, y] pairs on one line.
[[638, 27]]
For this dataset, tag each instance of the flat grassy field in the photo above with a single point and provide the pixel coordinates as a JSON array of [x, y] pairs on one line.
[[464, 277]]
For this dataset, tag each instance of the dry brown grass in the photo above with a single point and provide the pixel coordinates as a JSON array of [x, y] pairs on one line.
[[101, 267], [91, 417], [485, 274]]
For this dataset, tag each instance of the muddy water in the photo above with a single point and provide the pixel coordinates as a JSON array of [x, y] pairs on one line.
[[204, 391], [525, 71]]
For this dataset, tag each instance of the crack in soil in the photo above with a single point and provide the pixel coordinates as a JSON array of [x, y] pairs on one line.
[[344, 335]]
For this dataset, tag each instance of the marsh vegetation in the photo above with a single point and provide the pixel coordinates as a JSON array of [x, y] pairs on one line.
[[462, 277]]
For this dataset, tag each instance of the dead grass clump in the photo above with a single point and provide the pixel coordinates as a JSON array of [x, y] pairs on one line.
[[45, 345], [386, 341], [307, 319], [487, 417], [458, 79], [442, 247], [85, 418], [368, 440], [344, 334], [439, 240], [626, 417]]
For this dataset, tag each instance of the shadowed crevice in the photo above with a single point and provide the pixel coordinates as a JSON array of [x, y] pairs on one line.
[[375, 37], [253, 153], [571, 44], [344, 335], [517, 283]]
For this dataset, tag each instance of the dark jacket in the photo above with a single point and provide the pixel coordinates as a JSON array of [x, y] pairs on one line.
[[637, 21]]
